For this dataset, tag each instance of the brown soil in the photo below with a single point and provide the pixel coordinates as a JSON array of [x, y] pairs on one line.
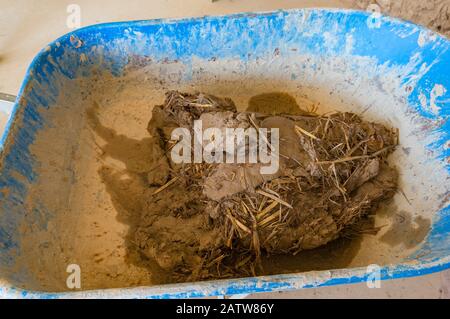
[[202, 221]]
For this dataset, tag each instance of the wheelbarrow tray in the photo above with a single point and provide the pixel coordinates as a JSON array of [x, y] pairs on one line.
[[390, 70]]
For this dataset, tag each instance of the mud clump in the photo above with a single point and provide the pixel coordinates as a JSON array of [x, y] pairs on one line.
[[217, 220]]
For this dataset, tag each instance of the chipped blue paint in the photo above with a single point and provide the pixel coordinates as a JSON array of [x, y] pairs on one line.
[[110, 47]]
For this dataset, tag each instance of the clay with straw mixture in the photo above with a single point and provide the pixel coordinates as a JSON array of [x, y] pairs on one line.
[[205, 221]]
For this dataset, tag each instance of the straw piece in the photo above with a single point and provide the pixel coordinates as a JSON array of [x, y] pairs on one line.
[[273, 197], [267, 209], [300, 130], [173, 180], [237, 223]]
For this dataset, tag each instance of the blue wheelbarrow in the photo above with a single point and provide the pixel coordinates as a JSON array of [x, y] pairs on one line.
[[56, 219]]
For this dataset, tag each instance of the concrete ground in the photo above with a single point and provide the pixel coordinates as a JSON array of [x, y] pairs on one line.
[[26, 26]]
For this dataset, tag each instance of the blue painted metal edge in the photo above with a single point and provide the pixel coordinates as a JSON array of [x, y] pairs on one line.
[[313, 279]]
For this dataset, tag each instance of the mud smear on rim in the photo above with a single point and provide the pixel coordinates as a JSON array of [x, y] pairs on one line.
[[130, 193], [406, 229]]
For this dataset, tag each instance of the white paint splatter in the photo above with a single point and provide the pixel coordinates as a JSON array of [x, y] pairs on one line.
[[349, 41], [437, 91], [330, 37], [425, 37]]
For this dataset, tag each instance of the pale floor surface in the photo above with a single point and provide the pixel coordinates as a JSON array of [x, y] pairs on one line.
[[27, 26]]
